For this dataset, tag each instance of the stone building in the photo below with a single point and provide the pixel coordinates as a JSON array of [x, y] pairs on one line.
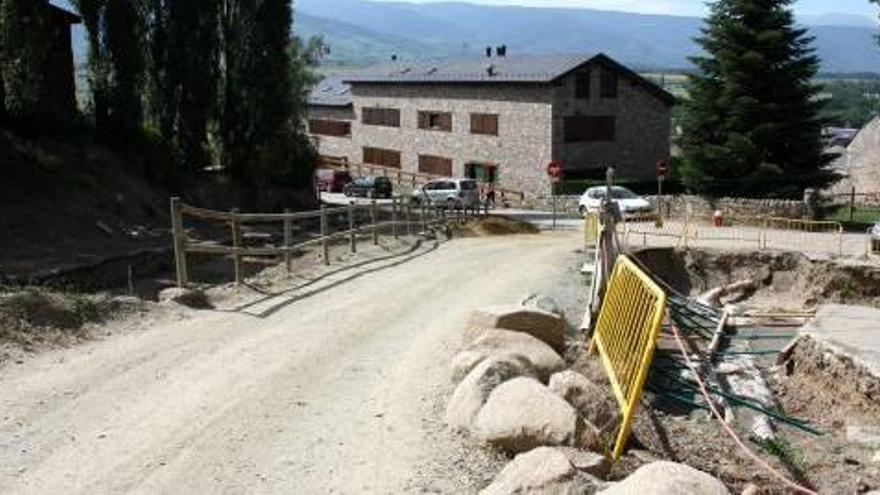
[[500, 118]]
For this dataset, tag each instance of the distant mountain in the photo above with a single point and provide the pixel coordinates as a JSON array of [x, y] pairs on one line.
[[365, 31]]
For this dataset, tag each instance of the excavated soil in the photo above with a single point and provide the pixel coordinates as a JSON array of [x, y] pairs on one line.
[[827, 391]]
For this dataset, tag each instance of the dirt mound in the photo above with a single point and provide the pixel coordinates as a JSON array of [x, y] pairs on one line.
[[32, 317], [493, 225]]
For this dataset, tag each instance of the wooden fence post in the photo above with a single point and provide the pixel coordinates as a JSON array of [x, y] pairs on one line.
[[423, 218], [236, 245], [325, 247], [352, 238], [394, 217], [287, 240], [375, 227], [852, 204], [408, 214], [179, 242]]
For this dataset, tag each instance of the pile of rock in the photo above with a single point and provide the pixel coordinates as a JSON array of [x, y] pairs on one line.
[[513, 392]]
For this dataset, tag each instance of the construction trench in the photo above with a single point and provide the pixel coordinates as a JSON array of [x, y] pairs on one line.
[[782, 345]]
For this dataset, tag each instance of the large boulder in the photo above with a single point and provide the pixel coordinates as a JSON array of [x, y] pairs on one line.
[[542, 470], [472, 392], [544, 360], [522, 414], [543, 303], [591, 401], [192, 298], [667, 478], [543, 325]]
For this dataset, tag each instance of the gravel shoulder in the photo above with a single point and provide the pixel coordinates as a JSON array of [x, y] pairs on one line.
[[337, 390]]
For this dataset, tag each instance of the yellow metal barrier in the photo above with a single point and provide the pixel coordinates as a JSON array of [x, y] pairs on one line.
[[626, 335], [591, 229]]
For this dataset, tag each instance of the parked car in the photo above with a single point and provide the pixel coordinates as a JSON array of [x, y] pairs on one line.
[[330, 180], [629, 202], [369, 187], [452, 193]]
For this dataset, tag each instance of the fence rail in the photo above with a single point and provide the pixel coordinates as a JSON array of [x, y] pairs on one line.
[[405, 218], [747, 232]]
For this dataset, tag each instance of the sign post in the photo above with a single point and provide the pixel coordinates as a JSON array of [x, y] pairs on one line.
[[661, 170], [555, 170]]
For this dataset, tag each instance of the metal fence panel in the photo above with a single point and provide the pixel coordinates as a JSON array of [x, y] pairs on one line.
[[626, 335]]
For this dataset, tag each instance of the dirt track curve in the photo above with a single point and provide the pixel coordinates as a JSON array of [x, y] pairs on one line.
[[337, 392]]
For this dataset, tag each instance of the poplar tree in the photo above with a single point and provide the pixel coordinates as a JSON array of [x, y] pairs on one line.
[[751, 124], [24, 38]]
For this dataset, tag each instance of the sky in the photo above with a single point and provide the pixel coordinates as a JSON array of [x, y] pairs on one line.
[[687, 7]]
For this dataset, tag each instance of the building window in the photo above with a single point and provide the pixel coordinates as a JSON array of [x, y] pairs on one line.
[[324, 127], [435, 121], [589, 128], [435, 165], [582, 85], [484, 123], [379, 156], [609, 83], [388, 117]]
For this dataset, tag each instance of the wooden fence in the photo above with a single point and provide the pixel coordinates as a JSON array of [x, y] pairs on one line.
[[405, 219], [414, 179]]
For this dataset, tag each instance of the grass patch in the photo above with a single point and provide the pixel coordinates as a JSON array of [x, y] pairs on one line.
[[859, 220]]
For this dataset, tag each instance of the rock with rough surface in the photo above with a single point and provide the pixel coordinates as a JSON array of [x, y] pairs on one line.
[[591, 401], [543, 325], [667, 478], [472, 392], [522, 414], [187, 297], [587, 462], [544, 360], [543, 470], [543, 303]]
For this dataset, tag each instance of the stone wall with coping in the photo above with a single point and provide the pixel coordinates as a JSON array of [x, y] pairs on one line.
[[677, 206]]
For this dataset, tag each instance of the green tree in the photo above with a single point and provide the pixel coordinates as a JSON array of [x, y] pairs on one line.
[[266, 76], [184, 47], [116, 34], [752, 123], [25, 27]]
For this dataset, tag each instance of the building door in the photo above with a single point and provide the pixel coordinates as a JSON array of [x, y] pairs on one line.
[[481, 172]]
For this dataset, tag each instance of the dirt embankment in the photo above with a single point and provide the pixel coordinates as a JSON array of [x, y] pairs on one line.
[[784, 280]]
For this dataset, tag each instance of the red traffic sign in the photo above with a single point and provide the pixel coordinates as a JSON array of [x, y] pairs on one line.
[[661, 168], [555, 170]]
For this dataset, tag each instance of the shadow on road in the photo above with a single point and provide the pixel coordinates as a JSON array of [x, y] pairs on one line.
[[287, 297]]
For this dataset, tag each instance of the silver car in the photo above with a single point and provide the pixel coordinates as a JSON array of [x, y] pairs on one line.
[[451, 193]]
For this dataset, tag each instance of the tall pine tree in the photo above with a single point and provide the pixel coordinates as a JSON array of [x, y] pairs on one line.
[[752, 125]]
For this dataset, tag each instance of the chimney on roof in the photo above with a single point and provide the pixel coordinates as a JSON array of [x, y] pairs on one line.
[[501, 51], [489, 51]]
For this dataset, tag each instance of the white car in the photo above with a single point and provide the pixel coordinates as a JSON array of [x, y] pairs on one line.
[[875, 238], [629, 202], [452, 193]]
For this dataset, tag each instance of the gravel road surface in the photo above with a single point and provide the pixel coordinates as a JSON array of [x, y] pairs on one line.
[[341, 391]]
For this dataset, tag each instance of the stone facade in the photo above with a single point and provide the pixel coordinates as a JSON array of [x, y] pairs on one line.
[[530, 127], [642, 128]]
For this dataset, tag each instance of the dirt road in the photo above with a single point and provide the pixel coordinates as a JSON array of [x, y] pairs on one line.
[[337, 392]]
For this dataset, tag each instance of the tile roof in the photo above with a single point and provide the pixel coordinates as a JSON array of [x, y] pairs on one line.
[[517, 69], [331, 92], [509, 69]]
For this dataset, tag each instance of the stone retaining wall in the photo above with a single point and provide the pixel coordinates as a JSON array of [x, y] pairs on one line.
[[700, 207]]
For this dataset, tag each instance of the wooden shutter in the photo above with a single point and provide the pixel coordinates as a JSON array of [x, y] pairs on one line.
[[589, 128], [435, 165], [484, 123]]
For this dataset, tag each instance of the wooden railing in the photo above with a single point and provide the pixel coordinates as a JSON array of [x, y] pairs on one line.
[[405, 216], [413, 180]]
